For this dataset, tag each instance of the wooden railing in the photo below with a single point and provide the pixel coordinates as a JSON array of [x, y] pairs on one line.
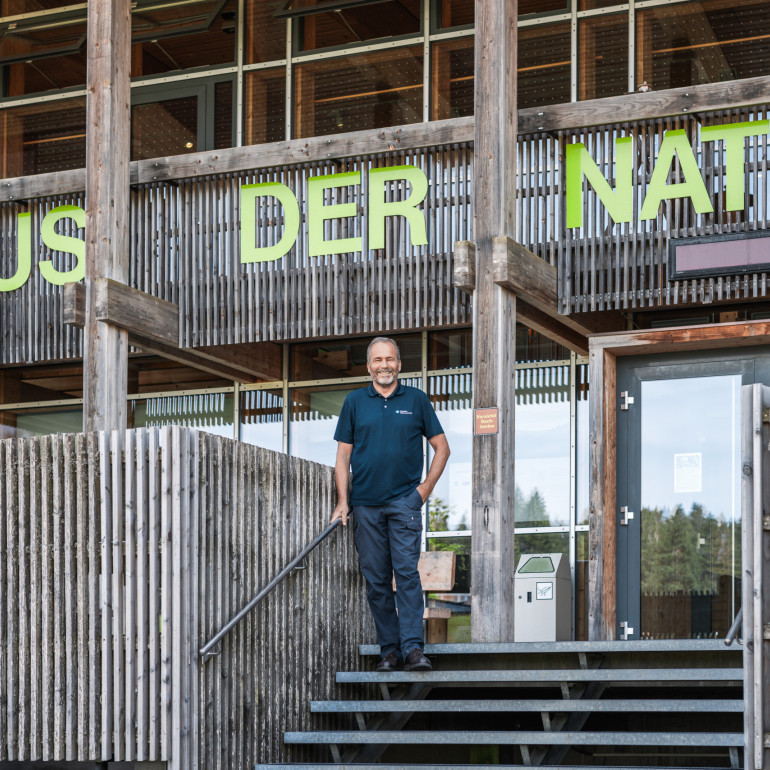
[[122, 553], [755, 547]]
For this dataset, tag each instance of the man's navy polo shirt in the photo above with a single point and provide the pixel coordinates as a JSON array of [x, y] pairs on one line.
[[386, 434]]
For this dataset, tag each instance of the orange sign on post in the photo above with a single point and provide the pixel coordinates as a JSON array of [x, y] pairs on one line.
[[485, 421]]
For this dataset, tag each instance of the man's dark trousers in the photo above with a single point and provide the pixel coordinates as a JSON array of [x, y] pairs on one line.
[[388, 542]]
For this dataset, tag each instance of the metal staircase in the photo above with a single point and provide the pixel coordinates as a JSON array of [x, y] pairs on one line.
[[664, 703]]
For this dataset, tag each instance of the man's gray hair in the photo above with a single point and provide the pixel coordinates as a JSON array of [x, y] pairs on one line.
[[382, 339]]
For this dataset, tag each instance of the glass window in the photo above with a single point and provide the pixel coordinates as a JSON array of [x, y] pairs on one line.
[[223, 115], [540, 7], [25, 423], [450, 505], [262, 418], [168, 127], [43, 137], [349, 26], [603, 56], [544, 65], [581, 586], [264, 106], [590, 5], [314, 414], [451, 349], [48, 72], [542, 495], [705, 42], [330, 360], [458, 600], [265, 36], [359, 92], [531, 346], [460, 13], [44, 52], [542, 542], [41, 383], [209, 412], [456, 13], [452, 79], [154, 374], [177, 36], [582, 464]]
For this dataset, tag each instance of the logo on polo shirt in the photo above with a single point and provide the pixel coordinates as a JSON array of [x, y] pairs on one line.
[[402, 411]]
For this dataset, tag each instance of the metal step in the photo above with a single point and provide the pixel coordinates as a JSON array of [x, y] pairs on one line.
[[515, 738], [513, 706], [354, 766], [639, 645], [624, 675]]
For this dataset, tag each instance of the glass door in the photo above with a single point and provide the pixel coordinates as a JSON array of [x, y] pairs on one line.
[[678, 530]]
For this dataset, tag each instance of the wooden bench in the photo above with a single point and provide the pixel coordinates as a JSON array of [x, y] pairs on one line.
[[437, 573]]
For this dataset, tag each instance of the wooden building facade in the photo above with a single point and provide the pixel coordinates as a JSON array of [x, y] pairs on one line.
[[303, 177]]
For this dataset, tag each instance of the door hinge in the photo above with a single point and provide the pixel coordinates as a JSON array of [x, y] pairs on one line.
[[627, 516], [626, 630], [625, 401]]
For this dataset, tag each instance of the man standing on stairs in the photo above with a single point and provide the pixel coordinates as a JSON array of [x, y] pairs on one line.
[[380, 434]]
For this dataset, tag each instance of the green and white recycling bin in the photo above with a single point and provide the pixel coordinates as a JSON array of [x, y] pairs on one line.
[[542, 596]]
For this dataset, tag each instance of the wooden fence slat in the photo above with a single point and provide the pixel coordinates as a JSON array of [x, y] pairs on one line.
[[82, 598], [142, 461], [141, 544], [6, 502], [130, 589]]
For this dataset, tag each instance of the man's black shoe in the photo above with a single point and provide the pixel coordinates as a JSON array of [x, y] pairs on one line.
[[391, 662], [417, 661]]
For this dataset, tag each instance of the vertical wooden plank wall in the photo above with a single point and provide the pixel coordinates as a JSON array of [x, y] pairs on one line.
[[50, 646], [258, 510], [121, 553], [185, 247]]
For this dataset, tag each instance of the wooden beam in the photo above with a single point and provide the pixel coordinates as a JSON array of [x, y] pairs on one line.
[[551, 327], [533, 280], [152, 324], [233, 160], [516, 268], [108, 131], [602, 517], [594, 112], [494, 321], [464, 266], [140, 314], [681, 338], [629, 108], [264, 360]]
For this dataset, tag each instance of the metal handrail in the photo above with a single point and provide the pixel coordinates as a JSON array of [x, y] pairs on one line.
[[734, 628], [205, 651]]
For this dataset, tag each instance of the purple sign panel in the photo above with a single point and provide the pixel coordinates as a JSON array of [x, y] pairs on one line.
[[719, 255]]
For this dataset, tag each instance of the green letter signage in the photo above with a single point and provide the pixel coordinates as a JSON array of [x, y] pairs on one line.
[[379, 208], [580, 164], [318, 213], [734, 137], [249, 195], [65, 243], [23, 255], [675, 142]]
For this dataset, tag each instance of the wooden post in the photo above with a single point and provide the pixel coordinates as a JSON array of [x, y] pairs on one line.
[[108, 120], [494, 321]]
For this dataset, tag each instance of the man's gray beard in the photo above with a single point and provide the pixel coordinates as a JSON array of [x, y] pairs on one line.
[[391, 375]]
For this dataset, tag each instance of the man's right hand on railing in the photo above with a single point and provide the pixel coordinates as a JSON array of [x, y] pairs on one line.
[[340, 512]]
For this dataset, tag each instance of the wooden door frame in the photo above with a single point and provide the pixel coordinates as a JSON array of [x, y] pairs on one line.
[[603, 351]]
